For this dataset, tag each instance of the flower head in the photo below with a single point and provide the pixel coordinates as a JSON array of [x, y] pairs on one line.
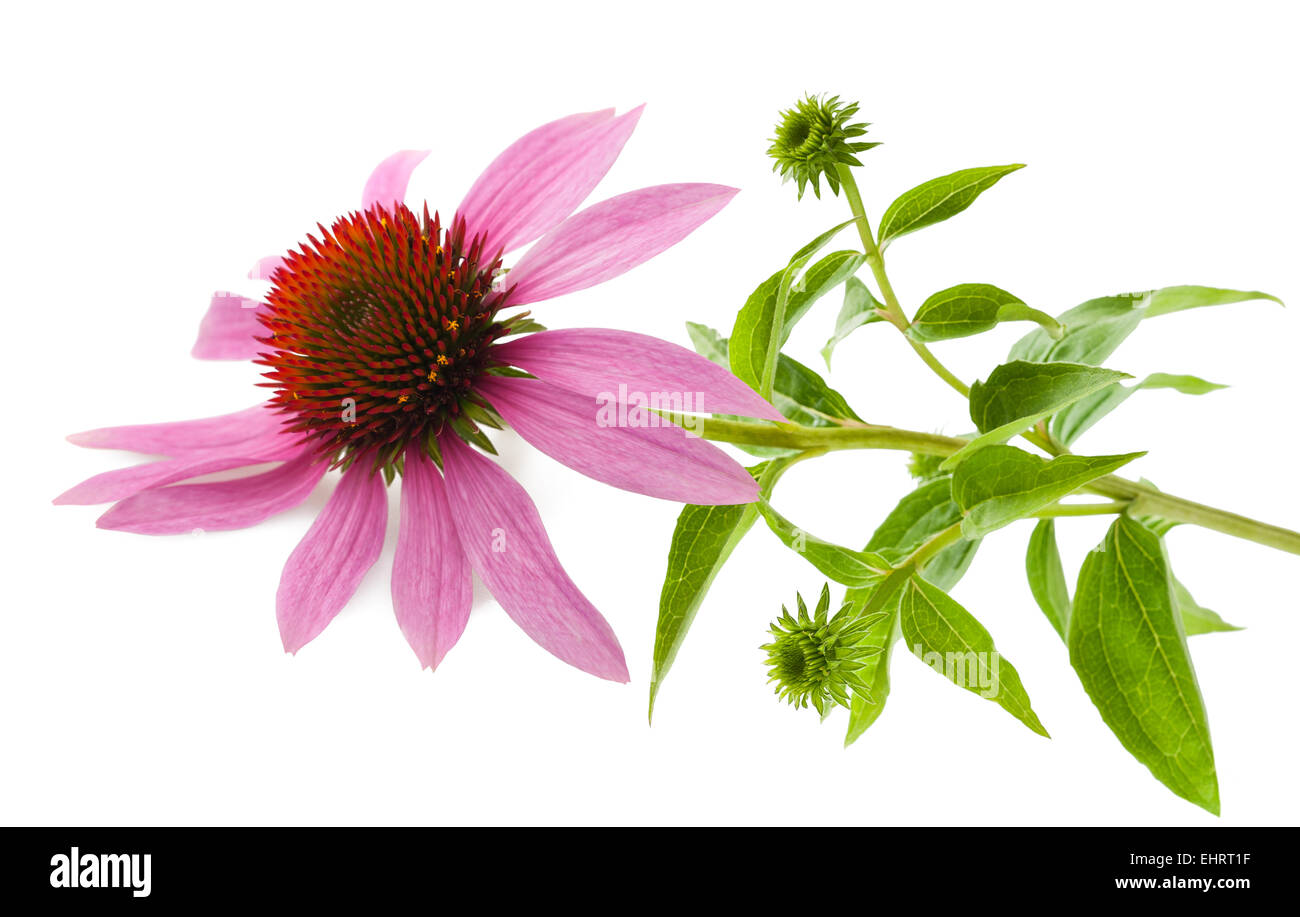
[[813, 138], [819, 659], [390, 340]]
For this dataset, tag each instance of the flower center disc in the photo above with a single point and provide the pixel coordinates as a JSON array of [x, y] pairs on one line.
[[378, 331]]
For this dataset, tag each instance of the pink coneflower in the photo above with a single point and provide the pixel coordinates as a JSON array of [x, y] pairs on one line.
[[388, 351]]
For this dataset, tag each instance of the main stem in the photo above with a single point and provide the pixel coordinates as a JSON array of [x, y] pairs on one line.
[[1143, 498]]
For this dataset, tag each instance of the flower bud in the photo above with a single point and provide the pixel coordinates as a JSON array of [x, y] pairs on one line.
[[819, 659], [813, 138]]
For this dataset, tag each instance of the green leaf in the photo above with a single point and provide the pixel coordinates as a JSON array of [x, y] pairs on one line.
[[1075, 420], [863, 710], [1131, 655], [922, 514], [972, 308], [1176, 299], [1015, 392], [937, 200], [843, 565], [754, 330], [799, 393], [702, 541], [946, 637], [1019, 394], [803, 396], [1047, 576], [708, 343], [704, 538], [1196, 618], [860, 308], [1000, 484], [1096, 328]]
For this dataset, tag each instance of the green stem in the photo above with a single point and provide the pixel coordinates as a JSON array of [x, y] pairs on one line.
[[936, 543], [903, 571], [876, 261], [773, 355], [1083, 509], [1148, 500], [866, 436]]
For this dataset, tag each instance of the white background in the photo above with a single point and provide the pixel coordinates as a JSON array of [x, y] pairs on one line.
[[152, 153]]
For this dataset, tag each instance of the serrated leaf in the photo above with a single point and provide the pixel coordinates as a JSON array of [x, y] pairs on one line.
[[1075, 420], [841, 564], [1094, 329], [755, 328], [922, 514], [1131, 655], [1019, 394], [703, 539], [937, 200], [945, 636], [1047, 576], [972, 308], [860, 308], [1000, 484]]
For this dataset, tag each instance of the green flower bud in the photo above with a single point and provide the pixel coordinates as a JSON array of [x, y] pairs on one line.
[[813, 138], [818, 659]]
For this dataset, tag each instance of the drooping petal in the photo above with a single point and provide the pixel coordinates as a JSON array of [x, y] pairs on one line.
[[612, 237], [432, 591], [121, 483], [229, 432], [265, 267], [387, 184], [325, 569], [594, 361], [503, 535], [620, 447], [543, 176], [219, 505], [229, 329]]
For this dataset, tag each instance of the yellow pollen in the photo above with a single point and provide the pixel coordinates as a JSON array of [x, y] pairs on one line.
[[442, 360], [453, 325], [401, 399], [433, 375]]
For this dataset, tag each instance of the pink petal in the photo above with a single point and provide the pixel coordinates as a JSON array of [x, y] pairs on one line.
[[121, 483], [387, 184], [543, 176], [658, 461], [612, 237], [227, 431], [593, 361], [228, 329], [266, 267], [219, 505], [325, 569], [432, 592], [502, 533]]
